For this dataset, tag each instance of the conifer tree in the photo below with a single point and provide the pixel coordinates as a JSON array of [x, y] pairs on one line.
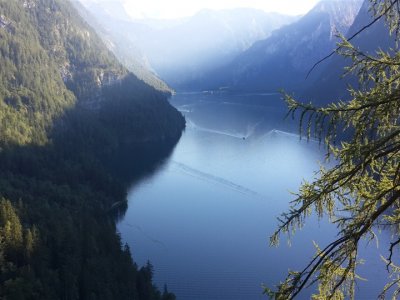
[[361, 193]]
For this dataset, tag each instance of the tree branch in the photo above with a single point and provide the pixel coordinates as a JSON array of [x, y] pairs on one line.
[[392, 245], [353, 36]]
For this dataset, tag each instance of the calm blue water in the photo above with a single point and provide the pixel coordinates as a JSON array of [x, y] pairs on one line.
[[205, 216]]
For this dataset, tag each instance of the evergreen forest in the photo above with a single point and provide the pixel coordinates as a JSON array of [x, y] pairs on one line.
[[67, 107]]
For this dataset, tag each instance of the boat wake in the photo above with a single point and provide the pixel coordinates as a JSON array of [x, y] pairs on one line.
[[190, 124], [280, 133], [217, 180]]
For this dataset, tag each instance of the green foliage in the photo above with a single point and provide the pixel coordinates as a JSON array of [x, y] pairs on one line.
[[17, 245], [66, 108], [32, 92], [361, 193], [50, 60]]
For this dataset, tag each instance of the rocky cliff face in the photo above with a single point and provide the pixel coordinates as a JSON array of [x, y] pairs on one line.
[[341, 14], [105, 19], [83, 62]]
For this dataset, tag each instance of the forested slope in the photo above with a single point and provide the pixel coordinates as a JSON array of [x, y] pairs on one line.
[[126, 50], [67, 107]]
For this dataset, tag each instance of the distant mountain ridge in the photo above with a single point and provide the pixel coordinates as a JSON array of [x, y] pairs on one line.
[[180, 51], [206, 41], [283, 59]]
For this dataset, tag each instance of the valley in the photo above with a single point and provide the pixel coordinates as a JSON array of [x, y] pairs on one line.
[[161, 151]]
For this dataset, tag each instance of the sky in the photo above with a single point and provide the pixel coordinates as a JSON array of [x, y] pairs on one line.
[[169, 9]]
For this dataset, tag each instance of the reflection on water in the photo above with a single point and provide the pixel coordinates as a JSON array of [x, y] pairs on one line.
[[204, 217]]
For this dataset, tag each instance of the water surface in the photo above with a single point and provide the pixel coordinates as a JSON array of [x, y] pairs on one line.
[[204, 217]]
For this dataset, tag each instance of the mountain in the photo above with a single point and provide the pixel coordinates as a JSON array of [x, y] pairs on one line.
[[180, 51], [283, 59], [206, 41], [32, 90], [67, 108], [126, 50], [330, 85], [52, 61]]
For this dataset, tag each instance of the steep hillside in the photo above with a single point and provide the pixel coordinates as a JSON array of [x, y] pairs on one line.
[[127, 51], [51, 61], [32, 92], [283, 60], [67, 108]]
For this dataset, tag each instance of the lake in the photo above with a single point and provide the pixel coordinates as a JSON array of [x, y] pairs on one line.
[[204, 216]]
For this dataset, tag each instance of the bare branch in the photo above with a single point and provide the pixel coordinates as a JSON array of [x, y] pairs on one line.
[[392, 245]]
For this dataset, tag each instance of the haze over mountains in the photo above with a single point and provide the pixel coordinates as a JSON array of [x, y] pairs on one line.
[[284, 59], [78, 90], [183, 50], [208, 40], [125, 49], [238, 50]]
